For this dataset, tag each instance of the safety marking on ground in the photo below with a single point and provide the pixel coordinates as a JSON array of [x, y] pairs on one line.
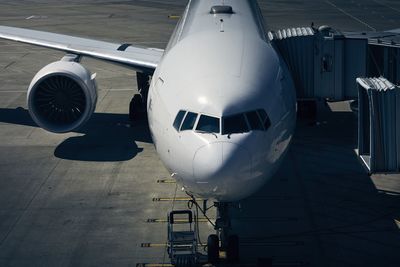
[[36, 17], [202, 220], [160, 245], [174, 17], [350, 15], [242, 244], [244, 219], [166, 181], [153, 245], [383, 4], [161, 199]]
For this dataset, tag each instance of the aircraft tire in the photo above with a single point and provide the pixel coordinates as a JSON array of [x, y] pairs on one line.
[[213, 248], [134, 107]]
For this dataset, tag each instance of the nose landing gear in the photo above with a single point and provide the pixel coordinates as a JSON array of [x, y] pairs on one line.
[[223, 241], [229, 242]]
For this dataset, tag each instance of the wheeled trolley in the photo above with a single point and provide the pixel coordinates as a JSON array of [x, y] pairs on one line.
[[182, 238]]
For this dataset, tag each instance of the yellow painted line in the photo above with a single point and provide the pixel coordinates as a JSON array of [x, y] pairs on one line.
[[160, 245], [159, 199], [174, 17], [222, 254], [153, 245], [176, 220]]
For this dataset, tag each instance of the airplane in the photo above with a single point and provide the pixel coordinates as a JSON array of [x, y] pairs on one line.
[[221, 103]]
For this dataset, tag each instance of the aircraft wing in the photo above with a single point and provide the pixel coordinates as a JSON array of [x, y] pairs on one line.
[[395, 30], [139, 58]]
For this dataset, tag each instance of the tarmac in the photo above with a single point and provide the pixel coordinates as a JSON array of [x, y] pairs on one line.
[[100, 196]]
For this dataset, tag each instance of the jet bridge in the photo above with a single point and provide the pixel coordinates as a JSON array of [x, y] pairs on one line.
[[325, 64], [379, 124]]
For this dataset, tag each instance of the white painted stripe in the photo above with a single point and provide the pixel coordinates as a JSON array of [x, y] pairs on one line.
[[386, 5], [350, 15]]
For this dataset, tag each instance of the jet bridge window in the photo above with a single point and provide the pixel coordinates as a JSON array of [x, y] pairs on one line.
[[208, 124], [189, 121], [178, 119]]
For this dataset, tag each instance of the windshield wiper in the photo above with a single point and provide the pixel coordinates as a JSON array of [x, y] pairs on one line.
[[229, 134], [205, 132]]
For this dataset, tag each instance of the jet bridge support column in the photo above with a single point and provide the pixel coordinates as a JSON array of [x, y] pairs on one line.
[[379, 124]]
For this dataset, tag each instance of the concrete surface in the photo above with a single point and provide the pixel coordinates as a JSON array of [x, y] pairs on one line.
[[91, 198]]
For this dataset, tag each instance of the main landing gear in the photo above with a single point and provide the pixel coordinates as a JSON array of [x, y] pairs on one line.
[[223, 240], [137, 106]]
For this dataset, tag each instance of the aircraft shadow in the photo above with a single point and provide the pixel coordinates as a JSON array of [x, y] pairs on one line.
[[106, 137], [322, 208]]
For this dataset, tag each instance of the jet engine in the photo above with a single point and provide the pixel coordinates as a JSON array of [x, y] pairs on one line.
[[62, 96]]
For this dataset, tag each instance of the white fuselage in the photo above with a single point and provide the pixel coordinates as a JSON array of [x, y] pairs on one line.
[[218, 65]]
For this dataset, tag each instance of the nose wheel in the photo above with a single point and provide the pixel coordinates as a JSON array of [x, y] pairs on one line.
[[213, 248]]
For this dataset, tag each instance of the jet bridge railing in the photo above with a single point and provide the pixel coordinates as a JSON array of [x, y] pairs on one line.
[[379, 124]]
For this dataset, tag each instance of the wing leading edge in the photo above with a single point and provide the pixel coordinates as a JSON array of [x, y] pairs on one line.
[[139, 58]]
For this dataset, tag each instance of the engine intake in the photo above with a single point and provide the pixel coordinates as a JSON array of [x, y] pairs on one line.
[[62, 96]]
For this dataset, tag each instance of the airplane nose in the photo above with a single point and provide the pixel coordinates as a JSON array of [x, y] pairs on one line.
[[221, 163]]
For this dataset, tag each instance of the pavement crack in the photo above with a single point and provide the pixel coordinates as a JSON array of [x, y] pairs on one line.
[[10, 64]]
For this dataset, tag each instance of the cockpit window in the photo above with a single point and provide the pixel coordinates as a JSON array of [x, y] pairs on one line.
[[254, 121], [178, 119], [235, 124], [208, 124], [239, 123], [189, 121], [245, 122], [264, 118]]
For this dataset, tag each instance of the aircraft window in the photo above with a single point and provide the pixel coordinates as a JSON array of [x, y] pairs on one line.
[[264, 118], [208, 124], [254, 121], [235, 124], [178, 119], [189, 121]]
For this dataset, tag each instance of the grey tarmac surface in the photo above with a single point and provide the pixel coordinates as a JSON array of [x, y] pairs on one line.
[[93, 197]]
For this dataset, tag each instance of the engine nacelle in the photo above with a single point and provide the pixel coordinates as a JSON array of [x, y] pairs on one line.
[[62, 96]]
